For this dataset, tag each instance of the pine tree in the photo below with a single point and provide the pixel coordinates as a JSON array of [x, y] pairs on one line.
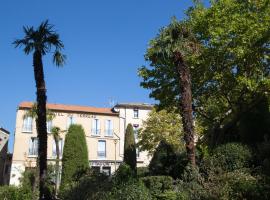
[[75, 155], [130, 148]]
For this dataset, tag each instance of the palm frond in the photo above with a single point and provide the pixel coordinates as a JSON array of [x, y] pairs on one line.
[[58, 58], [42, 39], [32, 112]]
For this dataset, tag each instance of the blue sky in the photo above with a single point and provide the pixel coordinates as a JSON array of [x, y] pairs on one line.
[[105, 42]]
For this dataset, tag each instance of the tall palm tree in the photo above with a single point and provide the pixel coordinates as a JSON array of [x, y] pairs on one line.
[[56, 133], [184, 44], [40, 41]]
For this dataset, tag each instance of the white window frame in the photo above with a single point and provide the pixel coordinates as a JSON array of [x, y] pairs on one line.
[[49, 125], [33, 147], [135, 113], [95, 130], [109, 127], [27, 125], [135, 130], [137, 152], [101, 153], [61, 147]]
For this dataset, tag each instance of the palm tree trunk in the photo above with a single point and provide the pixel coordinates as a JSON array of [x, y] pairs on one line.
[[41, 122], [186, 105], [57, 164]]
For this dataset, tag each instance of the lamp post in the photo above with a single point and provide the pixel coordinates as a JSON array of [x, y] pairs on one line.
[[115, 143]]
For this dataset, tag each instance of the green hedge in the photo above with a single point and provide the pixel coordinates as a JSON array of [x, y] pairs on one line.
[[75, 156]]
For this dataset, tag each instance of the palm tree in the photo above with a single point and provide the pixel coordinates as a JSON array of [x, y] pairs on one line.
[[56, 136], [56, 131], [184, 43], [40, 41]]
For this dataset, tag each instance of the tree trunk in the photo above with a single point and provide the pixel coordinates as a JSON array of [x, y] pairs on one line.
[[186, 105], [41, 123]]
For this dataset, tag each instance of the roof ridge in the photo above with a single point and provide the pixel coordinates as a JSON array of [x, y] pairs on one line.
[[73, 108]]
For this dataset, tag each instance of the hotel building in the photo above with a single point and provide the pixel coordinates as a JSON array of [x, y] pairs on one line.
[[104, 132]]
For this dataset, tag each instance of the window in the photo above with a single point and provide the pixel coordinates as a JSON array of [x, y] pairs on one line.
[[27, 124], [106, 171], [33, 147], [71, 120], [137, 152], [101, 149], [95, 127], [136, 113], [49, 126], [135, 130], [61, 146], [96, 169], [108, 128]]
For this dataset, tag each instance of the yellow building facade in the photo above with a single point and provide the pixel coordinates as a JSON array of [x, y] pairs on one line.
[[104, 132]]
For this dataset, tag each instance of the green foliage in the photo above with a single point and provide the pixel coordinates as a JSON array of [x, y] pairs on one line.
[[130, 157], [142, 171], [230, 73], [131, 190], [15, 193], [91, 186], [27, 190], [166, 162], [257, 121], [167, 195], [75, 155], [157, 185], [232, 156], [161, 125], [123, 174]]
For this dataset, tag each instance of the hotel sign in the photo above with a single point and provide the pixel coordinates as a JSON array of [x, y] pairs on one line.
[[74, 115], [103, 163]]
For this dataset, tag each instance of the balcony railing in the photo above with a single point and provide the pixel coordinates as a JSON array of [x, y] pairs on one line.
[[109, 132], [95, 131], [33, 152], [101, 154], [27, 128]]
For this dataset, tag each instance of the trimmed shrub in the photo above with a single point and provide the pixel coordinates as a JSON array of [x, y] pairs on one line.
[[130, 157], [158, 184], [231, 156], [75, 156]]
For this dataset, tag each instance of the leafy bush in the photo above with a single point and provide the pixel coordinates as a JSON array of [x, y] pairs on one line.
[[142, 171], [123, 174], [15, 193], [231, 156], [132, 190], [167, 162], [91, 186], [158, 184], [167, 195], [75, 156]]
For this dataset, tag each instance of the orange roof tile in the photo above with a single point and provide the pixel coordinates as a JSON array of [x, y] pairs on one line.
[[72, 108]]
